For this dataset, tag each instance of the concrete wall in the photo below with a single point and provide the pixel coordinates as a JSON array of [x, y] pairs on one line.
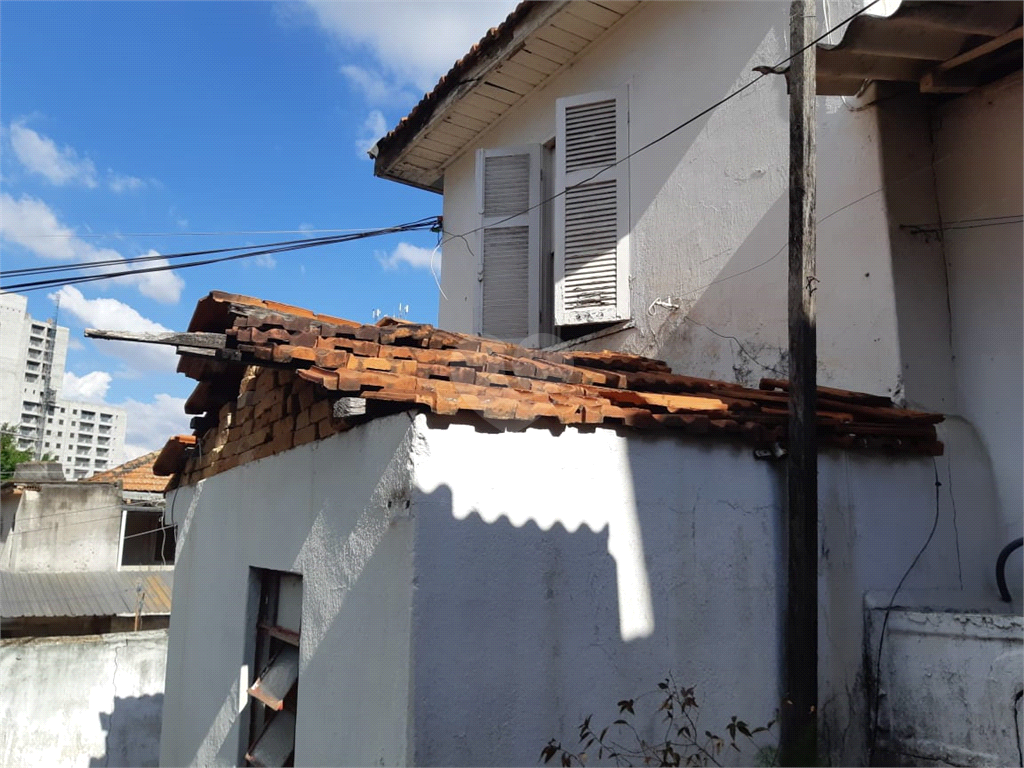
[[335, 512], [13, 349], [537, 577], [978, 150], [82, 701], [951, 684], [559, 573], [61, 527]]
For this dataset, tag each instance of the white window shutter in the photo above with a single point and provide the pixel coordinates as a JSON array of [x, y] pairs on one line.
[[508, 199], [592, 208]]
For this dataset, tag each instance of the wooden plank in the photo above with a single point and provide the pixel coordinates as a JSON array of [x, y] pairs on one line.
[[502, 79], [199, 340], [282, 633], [842, 395], [549, 51], [594, 13], [521, 73], [537, 63], [562, 39], [497, 94], [579, 26]]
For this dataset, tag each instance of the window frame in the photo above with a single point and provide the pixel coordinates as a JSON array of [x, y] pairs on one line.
[[269, 643]]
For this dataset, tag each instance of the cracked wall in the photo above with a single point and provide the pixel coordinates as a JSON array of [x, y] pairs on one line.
[[91, 700]]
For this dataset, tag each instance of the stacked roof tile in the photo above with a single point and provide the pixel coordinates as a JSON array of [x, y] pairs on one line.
[[274, 376]]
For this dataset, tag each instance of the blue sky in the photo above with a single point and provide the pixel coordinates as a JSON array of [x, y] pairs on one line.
[[128, 128]]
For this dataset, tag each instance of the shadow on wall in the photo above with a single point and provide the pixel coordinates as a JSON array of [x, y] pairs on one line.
[[133, 732], [520, 631]]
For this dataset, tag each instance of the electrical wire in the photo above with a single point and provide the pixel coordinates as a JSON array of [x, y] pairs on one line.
[[873, 736], [41, 235], [764, 72], [78, 266], [293, 246]]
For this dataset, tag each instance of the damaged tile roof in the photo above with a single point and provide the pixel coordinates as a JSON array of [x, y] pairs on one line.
[[134, 475], [273, 376]]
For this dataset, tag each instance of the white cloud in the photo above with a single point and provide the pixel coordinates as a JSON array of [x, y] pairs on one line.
[[30, 223], [375, 87], [413, 255], [411, 43], [119, 183], [90, 388], [150, 425], [264, 260], [41, 155], [114, 315], [372, 129]]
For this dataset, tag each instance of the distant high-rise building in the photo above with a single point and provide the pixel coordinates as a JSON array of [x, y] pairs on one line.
[[83, 437]]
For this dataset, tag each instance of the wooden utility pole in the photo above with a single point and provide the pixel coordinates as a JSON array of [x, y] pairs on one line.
[[798, 728]]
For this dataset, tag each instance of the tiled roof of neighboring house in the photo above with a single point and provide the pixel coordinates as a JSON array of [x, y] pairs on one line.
[[276, 376], [84, 593], [134, 475]]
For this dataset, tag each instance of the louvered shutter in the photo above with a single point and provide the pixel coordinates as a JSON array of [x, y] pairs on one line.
[[508, 192], [592, 211]]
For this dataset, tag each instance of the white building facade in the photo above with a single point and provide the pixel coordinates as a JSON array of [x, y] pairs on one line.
[[83, 437]]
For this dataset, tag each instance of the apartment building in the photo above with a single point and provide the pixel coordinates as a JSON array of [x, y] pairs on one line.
[[84, 437]]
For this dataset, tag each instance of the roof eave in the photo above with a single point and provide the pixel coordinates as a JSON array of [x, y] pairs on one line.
[[499, 43]]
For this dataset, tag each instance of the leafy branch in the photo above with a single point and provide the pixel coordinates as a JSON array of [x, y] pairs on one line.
[[683, 743]]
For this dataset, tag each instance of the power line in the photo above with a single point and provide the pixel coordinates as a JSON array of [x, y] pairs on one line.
[[41, 235], [764, 72], [77, 266], [38, 285]]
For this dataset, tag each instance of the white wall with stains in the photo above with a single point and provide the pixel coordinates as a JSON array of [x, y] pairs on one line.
[[82, 701], [331, 512], [978, 178], [56, 527], [708, 205], [951, 685], [538, 576]]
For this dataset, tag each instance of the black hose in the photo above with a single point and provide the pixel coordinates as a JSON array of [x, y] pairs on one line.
[[1004, 593]]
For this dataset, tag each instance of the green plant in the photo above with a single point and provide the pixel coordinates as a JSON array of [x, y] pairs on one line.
[[10, 456], [682, 743]]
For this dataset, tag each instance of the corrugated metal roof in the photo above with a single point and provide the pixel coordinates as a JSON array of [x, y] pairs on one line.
[[88, 593]]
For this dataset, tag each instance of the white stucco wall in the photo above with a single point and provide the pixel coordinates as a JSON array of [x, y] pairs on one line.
[[710, 202], [82, 701], [559, 573], [978, 147], [335, 512], [950, 683], [536, 577], [61, 527]]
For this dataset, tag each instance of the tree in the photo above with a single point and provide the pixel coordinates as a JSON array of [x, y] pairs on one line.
[[10, 456]]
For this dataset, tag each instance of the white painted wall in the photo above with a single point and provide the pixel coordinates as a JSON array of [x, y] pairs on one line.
[[709, 203], [537, 577], [82, 701], [950, 681], [558, 574], [335, 512], [61, 527], [978, 147]]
